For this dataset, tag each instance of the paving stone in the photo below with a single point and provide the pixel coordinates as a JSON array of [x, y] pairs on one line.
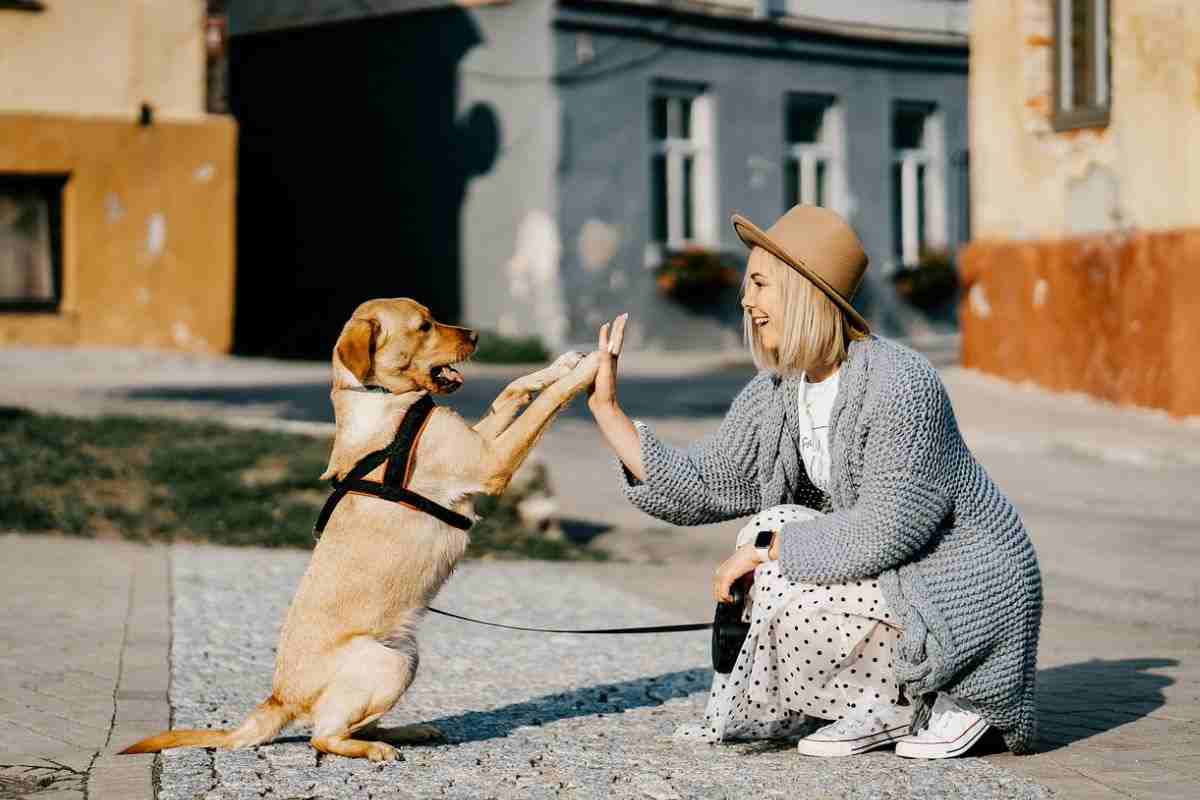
[[525, 715]]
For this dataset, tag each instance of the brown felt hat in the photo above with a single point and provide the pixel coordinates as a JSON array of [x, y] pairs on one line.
[[817, 243]]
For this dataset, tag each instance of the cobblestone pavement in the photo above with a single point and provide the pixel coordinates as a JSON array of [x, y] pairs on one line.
[[526, 715]]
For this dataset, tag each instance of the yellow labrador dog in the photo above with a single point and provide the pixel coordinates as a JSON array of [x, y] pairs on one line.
[[348, 648]]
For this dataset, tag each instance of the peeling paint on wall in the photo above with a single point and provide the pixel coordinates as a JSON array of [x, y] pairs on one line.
[[204, 173], [114, 210], [598, 244], [1093, 201], [760, 171], [156, 234], [1040, 290], [978, 303], [534, 278]]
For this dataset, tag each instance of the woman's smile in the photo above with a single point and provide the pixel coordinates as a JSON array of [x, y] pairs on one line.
[[760, 300]]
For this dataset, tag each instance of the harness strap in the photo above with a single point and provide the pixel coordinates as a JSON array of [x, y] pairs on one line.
[[394, 486]]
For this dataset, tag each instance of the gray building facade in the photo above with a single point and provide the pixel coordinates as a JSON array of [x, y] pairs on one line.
[[585, 144]]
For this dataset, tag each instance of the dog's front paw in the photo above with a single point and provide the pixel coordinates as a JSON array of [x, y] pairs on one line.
[[568, 361], [583, 374]]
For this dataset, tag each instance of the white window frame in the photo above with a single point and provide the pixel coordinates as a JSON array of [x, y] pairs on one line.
[[803, 158], [1067, 115], [699, 146], [931, 156]]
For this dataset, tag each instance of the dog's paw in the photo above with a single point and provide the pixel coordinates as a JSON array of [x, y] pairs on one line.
[[378, 751], [567, 361]]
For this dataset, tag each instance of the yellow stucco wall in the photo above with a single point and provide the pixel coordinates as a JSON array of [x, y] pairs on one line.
[[1141, 172], [104, 57], [148, 229]]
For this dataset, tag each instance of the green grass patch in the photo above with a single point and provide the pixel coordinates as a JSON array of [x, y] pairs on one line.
[[496, 348], [169, 480]]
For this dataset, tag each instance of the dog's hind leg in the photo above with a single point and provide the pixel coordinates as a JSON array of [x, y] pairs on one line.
[[370, 680]]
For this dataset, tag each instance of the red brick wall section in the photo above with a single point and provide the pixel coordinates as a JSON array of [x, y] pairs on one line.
[[1115, 315]]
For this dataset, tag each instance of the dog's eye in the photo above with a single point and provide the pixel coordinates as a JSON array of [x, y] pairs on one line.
[[425, 326]]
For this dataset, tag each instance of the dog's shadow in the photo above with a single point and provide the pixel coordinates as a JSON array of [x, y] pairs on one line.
[[605, 698]]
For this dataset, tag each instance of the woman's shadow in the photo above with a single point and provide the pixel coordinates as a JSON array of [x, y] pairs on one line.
[[1075, 701], [1078, 701]]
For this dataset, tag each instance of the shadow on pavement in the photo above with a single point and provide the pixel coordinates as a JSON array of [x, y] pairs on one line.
[[1078, 701], [605, 698], [707, 395]]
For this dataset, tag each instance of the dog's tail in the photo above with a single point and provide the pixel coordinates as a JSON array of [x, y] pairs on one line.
[[266, 721]]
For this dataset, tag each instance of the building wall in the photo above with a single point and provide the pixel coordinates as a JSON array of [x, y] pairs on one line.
[[1084, 274], [147, 230], [510, 237], [1139, 172], [604, 183], [104, 57]]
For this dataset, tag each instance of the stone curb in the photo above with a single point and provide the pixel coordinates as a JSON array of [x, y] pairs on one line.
[[142, 707]]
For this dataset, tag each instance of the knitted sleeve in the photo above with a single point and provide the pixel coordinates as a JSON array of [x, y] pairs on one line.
[[711, 480], [903, 496]]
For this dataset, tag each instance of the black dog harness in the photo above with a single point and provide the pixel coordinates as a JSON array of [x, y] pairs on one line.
[[394, 487]]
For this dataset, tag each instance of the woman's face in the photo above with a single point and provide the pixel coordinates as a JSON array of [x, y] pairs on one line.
[[763, 301]]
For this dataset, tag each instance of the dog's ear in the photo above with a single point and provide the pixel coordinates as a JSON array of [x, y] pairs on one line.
[[356, 346]]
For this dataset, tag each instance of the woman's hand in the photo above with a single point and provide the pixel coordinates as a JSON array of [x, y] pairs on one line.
[[603, 394], [617, 428], [743, 560]]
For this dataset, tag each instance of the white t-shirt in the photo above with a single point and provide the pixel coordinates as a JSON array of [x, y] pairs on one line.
[[816, 404]]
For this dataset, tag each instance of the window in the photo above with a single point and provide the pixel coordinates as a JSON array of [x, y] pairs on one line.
[[814, 172], [918, 190], [30, 242], [681, 173], [1081, 64]]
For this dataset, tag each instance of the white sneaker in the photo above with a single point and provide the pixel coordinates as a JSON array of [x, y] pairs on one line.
[[858, 733], [953, 729]]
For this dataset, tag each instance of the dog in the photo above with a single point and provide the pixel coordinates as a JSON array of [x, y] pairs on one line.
[[348, 648]]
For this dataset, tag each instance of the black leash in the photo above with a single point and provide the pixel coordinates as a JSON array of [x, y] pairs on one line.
[[696, 626]]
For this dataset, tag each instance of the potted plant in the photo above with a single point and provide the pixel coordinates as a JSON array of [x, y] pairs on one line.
[[696, 275], [930, 283]]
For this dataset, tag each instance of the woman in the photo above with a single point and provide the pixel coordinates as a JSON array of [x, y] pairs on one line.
[[899, 596]]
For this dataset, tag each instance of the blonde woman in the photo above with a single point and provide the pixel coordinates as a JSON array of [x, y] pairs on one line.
[[896, 595]]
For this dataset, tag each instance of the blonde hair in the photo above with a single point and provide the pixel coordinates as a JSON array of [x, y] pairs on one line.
[[815, 331]]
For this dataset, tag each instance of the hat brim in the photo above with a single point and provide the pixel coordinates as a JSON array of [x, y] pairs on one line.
[[753, 236]]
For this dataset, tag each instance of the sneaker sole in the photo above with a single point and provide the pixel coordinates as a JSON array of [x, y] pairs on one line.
[[943, 749], [851, 747]]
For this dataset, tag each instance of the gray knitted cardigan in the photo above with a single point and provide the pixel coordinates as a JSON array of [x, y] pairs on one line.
[[908, 503]]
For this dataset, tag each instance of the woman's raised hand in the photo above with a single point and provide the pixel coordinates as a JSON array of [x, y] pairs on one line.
[[604, 391]]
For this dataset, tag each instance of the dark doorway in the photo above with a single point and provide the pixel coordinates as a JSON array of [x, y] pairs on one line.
[[352, 166]]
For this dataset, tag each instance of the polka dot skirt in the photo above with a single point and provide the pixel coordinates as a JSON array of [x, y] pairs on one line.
[[817, 651]]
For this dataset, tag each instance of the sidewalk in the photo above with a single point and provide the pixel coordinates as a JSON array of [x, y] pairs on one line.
[[84, 648]]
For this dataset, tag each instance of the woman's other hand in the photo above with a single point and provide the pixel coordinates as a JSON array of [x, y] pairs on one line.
[[743, 561], [603, 395]]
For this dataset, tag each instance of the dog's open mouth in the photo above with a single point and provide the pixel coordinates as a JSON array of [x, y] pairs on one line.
[[446, 378]]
